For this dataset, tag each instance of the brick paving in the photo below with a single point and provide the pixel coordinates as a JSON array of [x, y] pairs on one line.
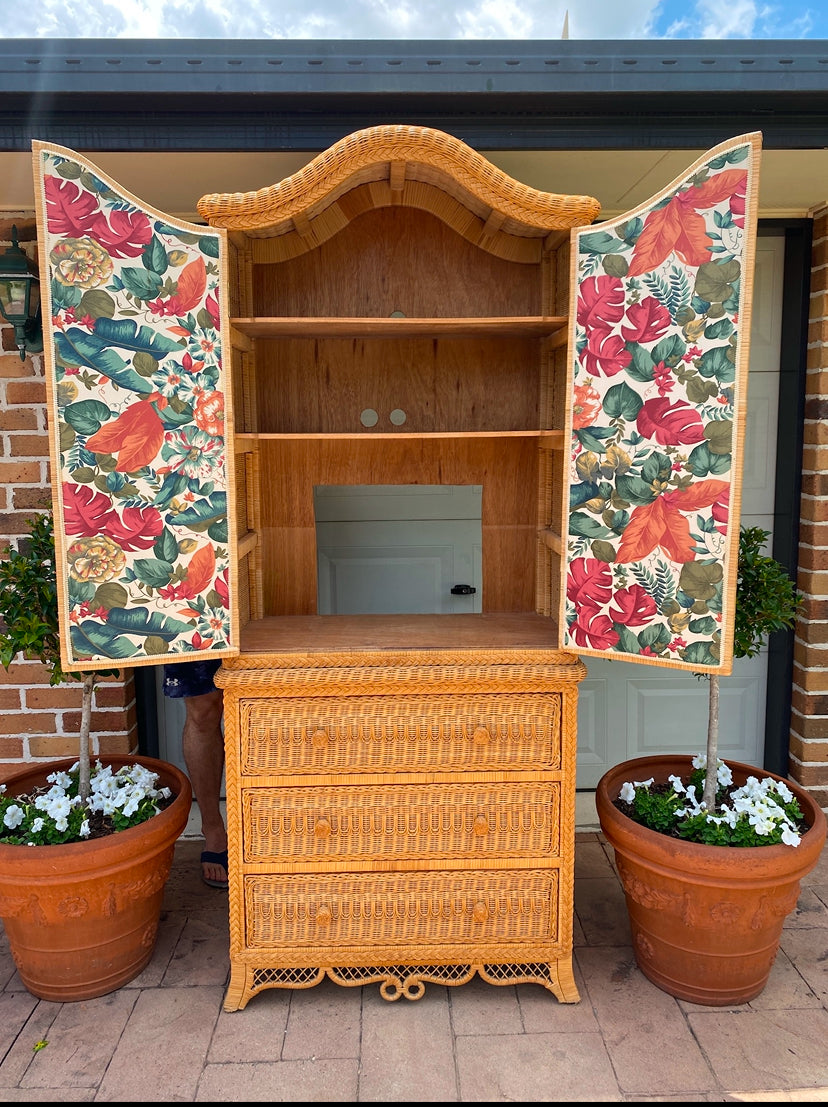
[[165, 1038]]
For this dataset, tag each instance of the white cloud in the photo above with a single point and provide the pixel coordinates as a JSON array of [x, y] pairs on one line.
[[747, 19], [409, 19]]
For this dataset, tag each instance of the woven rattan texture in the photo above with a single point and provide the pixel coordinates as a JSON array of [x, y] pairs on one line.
[[389, 735], [327, 674], [483, 910], [350, 823], [432, 832], [396, 153]]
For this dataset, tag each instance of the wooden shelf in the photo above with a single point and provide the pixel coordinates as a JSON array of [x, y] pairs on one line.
[[532, 326], [309, 634], [548, 439]]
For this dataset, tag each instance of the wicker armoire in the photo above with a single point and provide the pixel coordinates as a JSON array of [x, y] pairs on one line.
[[401, 314]]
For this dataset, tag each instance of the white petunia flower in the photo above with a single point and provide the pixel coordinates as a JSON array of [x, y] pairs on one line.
[[757, 804], [783, 791], [60, 780], [58, 809], [729, 815], [724, 776], [14, 816]]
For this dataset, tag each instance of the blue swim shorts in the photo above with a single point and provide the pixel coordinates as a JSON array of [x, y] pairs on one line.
[[190, 678]]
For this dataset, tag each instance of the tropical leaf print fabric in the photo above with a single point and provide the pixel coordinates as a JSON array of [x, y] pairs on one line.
[[658, 391], [137, 422]]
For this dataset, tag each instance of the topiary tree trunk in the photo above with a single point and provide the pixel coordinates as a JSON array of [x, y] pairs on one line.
[[766, 601], [709, 794], [29, 613]]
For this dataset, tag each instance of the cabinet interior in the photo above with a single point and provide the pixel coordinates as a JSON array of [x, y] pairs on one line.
[[397, 311]]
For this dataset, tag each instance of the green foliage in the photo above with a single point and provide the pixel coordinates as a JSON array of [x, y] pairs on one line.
[[766, 601], [759, 813], [656, 810], [28, 601], [23, 824], [52, 814], [744, 831], [766, 597]]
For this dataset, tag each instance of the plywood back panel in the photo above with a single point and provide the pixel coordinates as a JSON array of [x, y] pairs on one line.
[[507, 470], [397, 259], [448, 384], [505, 467]]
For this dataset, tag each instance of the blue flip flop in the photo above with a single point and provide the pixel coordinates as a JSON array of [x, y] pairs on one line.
[[209, 857]]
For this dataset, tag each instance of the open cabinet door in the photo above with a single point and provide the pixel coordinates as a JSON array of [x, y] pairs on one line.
[[659, 337], [139, 422]]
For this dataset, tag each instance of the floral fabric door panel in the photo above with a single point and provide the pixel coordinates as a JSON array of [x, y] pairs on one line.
[[138, 422], [659, 329]]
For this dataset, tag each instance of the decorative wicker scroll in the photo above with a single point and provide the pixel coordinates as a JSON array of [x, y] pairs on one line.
[[137, 405], [658, 387]]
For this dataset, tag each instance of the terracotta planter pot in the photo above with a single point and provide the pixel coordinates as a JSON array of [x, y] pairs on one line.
[[82, 918], [706, 920]]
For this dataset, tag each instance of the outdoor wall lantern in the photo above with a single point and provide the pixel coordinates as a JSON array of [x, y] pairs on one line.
[[20, 298]]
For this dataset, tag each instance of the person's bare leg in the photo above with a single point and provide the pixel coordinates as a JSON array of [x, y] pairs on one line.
[[203, 748]]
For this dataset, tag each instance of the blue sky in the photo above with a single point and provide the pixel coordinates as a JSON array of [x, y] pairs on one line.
[[739, 19], [416, 19]]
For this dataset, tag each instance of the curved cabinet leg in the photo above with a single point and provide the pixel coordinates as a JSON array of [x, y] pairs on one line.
[[239, 990]]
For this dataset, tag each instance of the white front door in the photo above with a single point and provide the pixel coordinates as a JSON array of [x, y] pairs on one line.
[[628, 710], [398, 549]]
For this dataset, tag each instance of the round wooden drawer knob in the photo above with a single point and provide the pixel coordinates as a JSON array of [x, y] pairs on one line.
[[481, 826], [319, 738], [481, 736], [480, 912], [323, 915], [322, 828]]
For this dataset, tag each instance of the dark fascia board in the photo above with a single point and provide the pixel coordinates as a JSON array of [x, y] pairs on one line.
[[139, 94], [380, 66], [134, 124]]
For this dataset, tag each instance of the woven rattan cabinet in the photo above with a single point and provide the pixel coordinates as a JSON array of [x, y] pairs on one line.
[[400, 788], [403, 816], [399, 314]]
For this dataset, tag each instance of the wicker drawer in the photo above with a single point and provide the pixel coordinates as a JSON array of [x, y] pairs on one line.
[[383, 734], [517, 820], [439, 908]]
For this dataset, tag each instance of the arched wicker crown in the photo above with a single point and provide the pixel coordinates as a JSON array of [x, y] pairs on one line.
[[398, 155]]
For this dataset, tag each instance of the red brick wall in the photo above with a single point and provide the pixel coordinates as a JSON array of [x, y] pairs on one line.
[[38, 721], [808, 756]]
